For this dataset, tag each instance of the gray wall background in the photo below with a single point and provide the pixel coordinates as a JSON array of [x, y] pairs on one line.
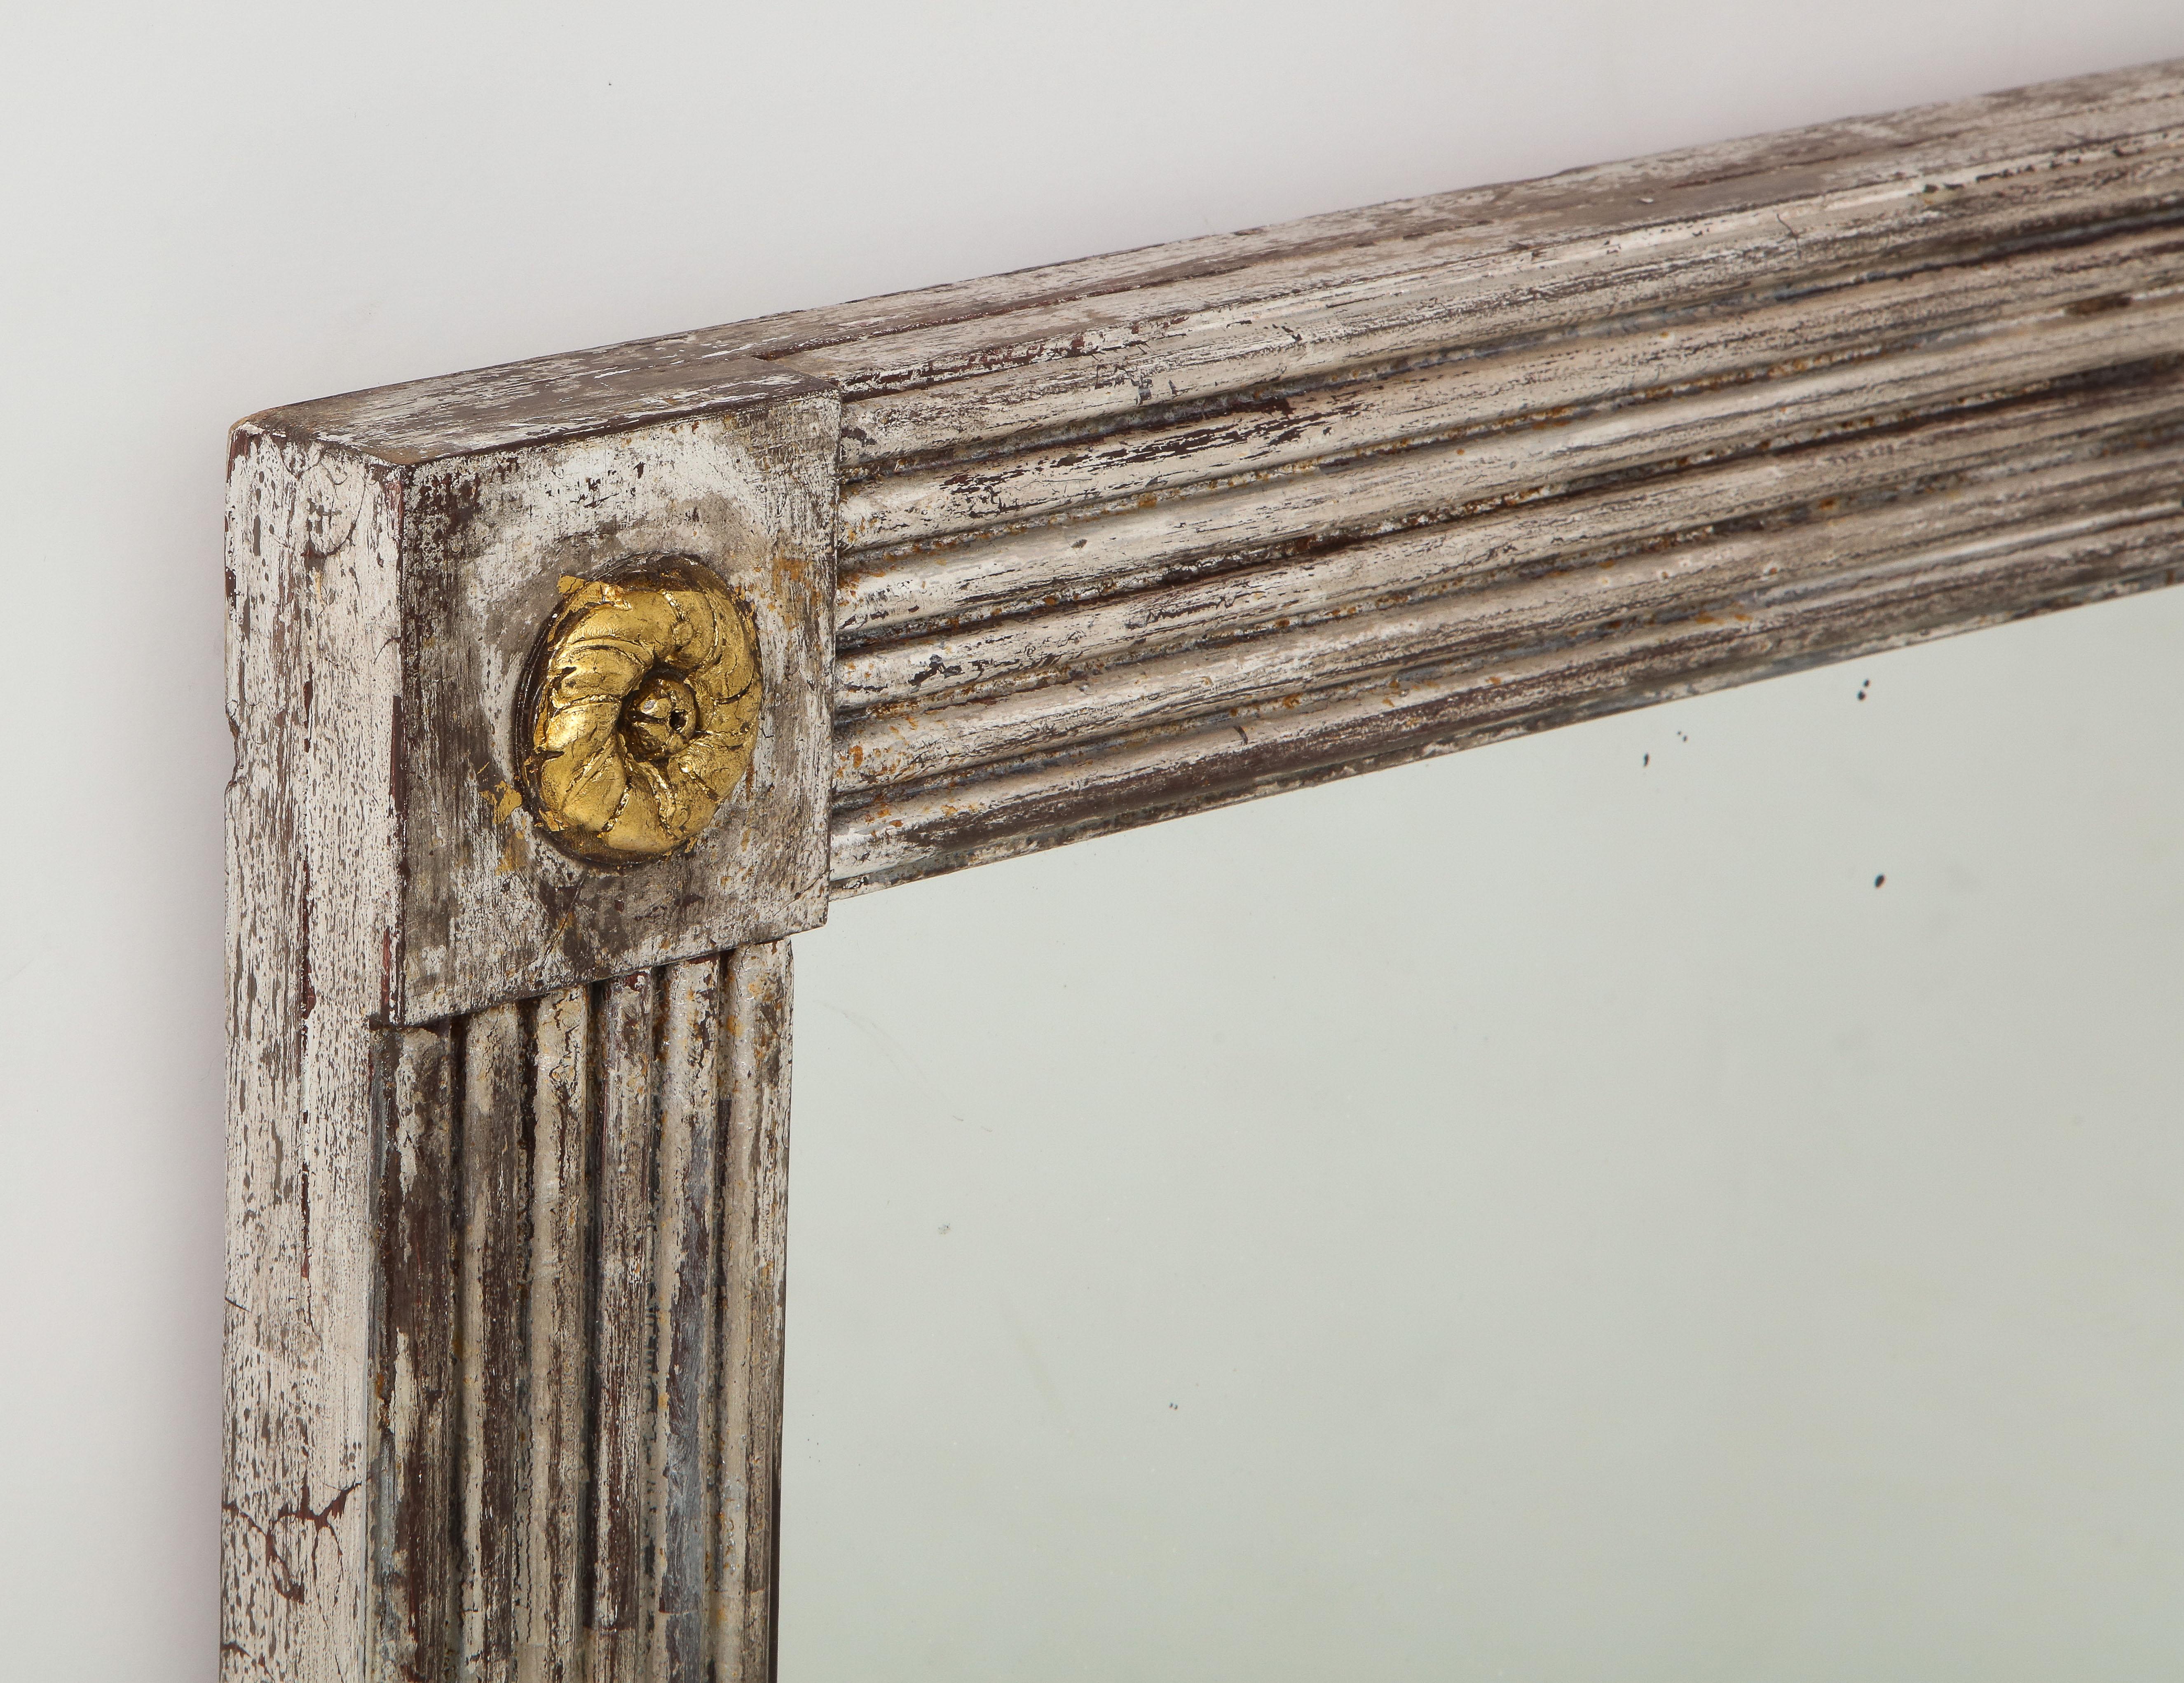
[[1583, 1228]]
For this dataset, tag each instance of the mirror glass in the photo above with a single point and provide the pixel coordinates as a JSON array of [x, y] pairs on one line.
[[1694, 1195]]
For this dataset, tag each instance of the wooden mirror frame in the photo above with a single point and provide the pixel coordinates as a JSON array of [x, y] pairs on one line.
[[1022, 561]]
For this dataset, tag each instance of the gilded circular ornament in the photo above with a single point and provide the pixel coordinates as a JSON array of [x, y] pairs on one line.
[[640, 710]]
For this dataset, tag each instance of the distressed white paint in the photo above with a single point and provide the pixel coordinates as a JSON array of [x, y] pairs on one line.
[[1129, 537]]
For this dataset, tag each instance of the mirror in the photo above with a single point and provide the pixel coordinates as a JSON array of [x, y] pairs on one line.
[[1695, 1196]]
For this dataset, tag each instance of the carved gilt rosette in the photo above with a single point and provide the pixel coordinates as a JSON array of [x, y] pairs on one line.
[[641, 710]]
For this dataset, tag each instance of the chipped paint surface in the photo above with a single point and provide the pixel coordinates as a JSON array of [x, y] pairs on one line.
[[1118, 539], [578, 1347]]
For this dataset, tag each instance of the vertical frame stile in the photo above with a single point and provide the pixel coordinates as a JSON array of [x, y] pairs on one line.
[[473, 1251], [622, 1385], [557, 1401], [496, 1184], [754, 1247], [313, 560], [685, 1211], [413, 1473]]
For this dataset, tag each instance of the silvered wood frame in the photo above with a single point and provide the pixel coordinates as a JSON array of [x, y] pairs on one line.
[[1031, 559]]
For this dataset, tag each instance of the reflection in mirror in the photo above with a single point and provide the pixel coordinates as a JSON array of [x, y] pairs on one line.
[[1696, 1196]]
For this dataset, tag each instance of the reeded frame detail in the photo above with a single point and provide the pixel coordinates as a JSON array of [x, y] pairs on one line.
[[1107, 541]]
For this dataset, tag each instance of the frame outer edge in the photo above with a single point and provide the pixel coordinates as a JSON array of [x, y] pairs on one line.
[[313, 556]]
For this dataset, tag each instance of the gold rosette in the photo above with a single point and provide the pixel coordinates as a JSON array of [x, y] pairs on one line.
[[641, 704]]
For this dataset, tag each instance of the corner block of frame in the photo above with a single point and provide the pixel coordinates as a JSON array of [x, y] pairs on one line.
[[564, 692]]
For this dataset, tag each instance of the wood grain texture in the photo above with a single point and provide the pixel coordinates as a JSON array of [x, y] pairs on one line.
[[444, 1250], [622, 1328], [1616, 404], [312, 542], [579, 1344], [1492, 609], [1034, 469], [1522, 536], [755, 1228], [687, 1294], [488, 907], [417, 1446], [558, 1395], [1043, 315], [1943, 311], [1287, 743], [1118, 540], [1108, 560], [491, 1345], [1582, 247], [491, 909], [416, 1482]]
